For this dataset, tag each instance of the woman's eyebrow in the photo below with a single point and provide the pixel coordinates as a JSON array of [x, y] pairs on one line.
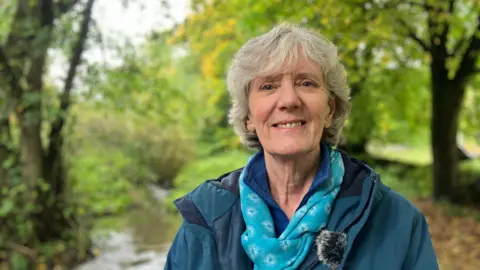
[[305, 75], [273, 77]]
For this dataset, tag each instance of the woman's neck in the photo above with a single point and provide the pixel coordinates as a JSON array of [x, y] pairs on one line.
[[291, 178]]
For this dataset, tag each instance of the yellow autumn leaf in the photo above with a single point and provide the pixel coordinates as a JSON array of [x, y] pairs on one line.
[[385, 58], [231, 22], [207, 66], [348, 21], [96, 252], [41, 266], [177, 35], [427, 58], [170, 71]]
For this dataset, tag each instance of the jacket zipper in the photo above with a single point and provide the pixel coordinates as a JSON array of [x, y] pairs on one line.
[[356, 219]]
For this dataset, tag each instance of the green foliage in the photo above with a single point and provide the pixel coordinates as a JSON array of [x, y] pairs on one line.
[[99, 185], [114, 152], [19, 261], [471, 111], [13, 211], [389, 111], [413, 183], [6, 13], [158, 83]]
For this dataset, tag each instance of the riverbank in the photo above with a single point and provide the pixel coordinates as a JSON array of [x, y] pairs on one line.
[[136, 240]]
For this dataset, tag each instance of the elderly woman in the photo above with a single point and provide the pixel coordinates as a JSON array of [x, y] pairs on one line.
[[298, 203]]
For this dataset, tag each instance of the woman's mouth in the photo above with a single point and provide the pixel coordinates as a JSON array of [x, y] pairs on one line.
[[290, 124]]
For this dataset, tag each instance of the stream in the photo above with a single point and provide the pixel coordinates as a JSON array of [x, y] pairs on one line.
[[139, 240]]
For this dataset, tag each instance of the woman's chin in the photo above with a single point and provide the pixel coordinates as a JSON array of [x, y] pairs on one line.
[[289, 150]]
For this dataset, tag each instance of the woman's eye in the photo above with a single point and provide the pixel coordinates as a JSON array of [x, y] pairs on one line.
[[308, 84], [267, 87]]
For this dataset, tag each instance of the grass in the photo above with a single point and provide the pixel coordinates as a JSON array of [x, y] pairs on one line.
[[415, 155], [403, 154]]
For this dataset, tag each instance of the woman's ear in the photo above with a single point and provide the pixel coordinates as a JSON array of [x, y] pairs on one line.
[[331, 106], [249, 125]]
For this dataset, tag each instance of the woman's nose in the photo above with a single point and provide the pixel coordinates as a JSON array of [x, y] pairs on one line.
[[288, 98]]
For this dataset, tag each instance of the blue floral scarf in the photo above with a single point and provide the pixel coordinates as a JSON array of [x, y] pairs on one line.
[[290, 249]]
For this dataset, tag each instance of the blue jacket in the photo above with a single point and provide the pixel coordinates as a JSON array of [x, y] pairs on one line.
[[384, 230]]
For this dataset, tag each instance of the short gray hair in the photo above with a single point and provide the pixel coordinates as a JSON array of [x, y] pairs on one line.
[[263, 55]]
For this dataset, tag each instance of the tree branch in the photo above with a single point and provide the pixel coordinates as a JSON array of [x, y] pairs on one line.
[[5, 149], [467, 64], [64, 6], [47, 12], [392, 6], [446, 27], [22, 249], [57, 125], [76, 55], [458, 46], [411, 34]]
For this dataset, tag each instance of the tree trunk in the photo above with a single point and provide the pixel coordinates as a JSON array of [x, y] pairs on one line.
[[4, 150], [31, 120], [3, 171], [447, 100], [52, 221], [31, 152]]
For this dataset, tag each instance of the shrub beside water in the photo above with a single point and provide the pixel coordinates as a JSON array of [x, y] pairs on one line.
[[112, 155]]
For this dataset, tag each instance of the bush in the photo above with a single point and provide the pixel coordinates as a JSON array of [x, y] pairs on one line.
[[97, 182], [112, 154]]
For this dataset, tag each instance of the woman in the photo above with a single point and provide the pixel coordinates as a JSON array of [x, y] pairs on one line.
[[298, 203]]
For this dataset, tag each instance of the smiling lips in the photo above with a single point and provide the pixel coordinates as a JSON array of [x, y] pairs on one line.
[[289, 124]]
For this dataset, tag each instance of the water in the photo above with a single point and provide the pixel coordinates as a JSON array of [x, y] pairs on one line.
[[137, 241]]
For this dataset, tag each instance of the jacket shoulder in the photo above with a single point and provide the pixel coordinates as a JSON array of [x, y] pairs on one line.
[[397, 202], [210, 200], [399, 225], [393, 212]]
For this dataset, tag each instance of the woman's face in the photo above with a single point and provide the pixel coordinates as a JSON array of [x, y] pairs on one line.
[[288, 111]]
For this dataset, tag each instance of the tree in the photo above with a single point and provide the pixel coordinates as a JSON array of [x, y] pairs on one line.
[[448, 33], [23, 60]]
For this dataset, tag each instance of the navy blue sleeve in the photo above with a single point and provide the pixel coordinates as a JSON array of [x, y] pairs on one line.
[[421, 254], [192, 248]]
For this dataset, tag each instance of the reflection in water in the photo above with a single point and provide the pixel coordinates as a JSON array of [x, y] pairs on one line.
[[142, 243], [153, 228]]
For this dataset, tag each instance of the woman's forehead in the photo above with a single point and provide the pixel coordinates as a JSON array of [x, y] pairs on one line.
[[302, 66]]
